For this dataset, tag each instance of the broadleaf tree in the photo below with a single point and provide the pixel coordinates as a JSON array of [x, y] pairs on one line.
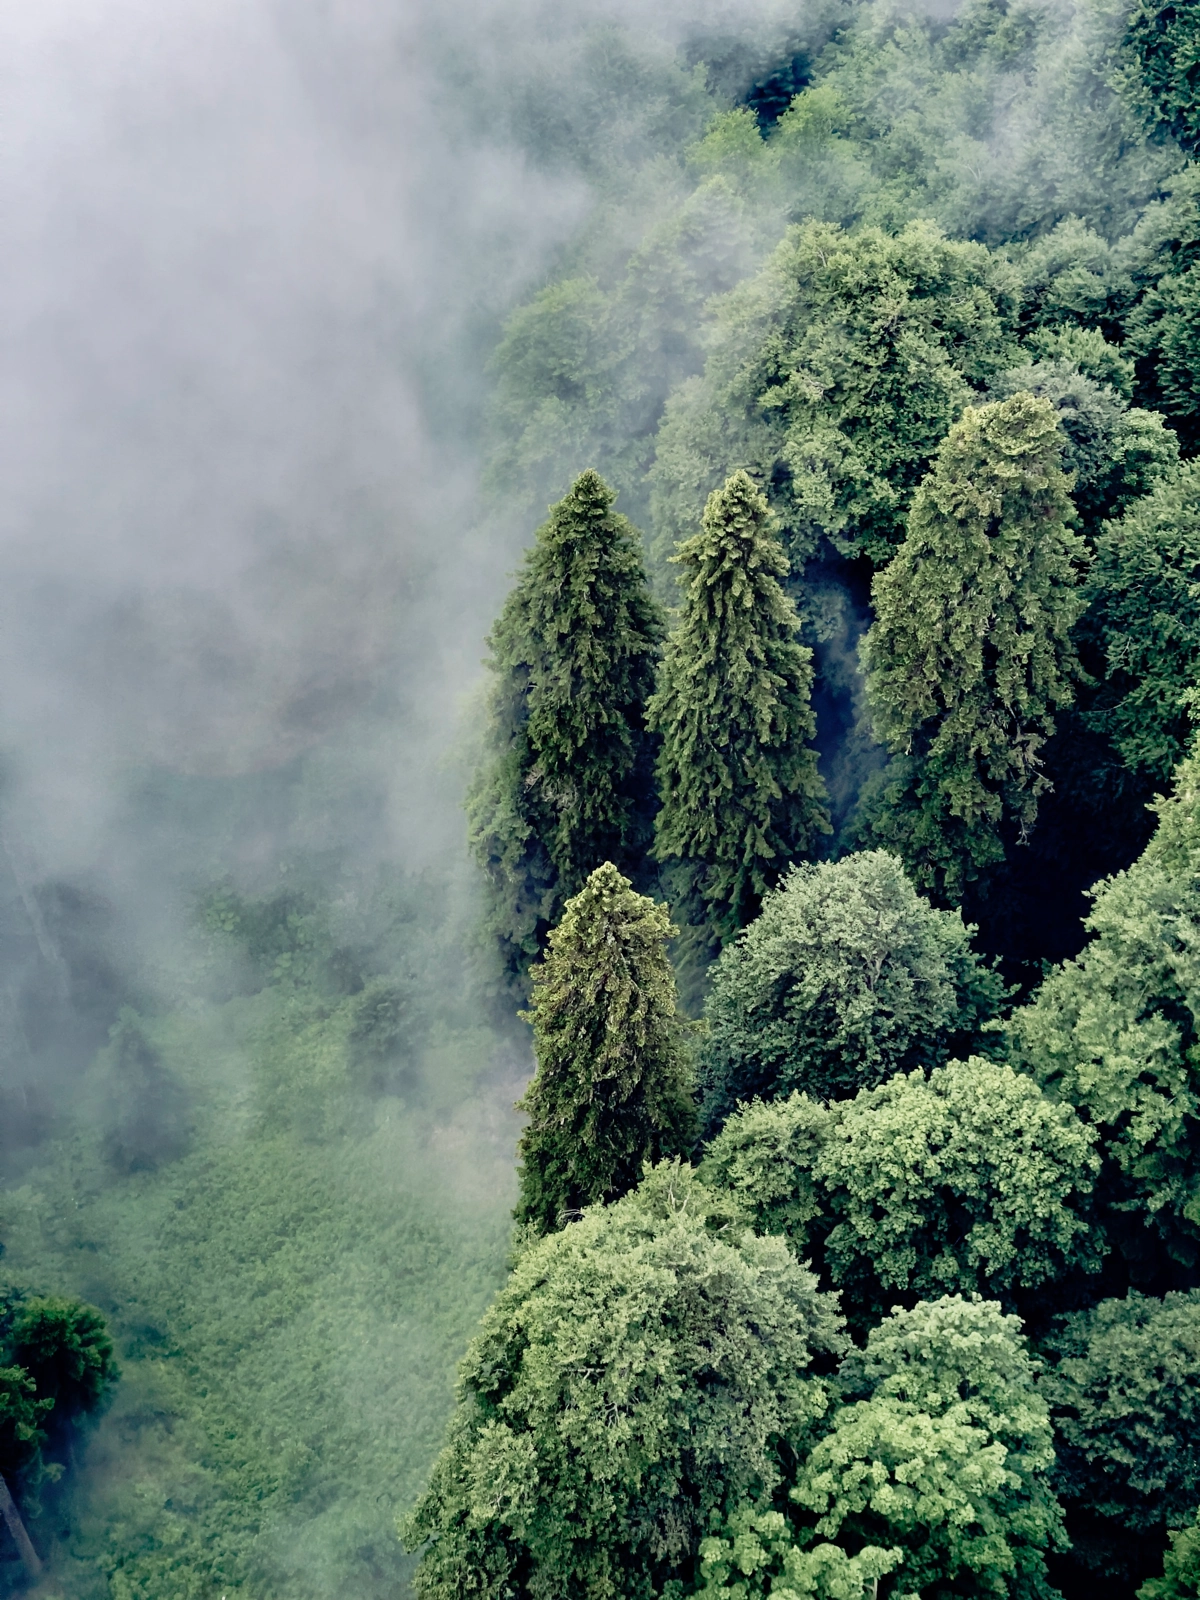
[[740, 792], [613, 1086], [945, 1458], [970, 652], [1124, 1389], [845, 977], [566, 779], [643, 1372]]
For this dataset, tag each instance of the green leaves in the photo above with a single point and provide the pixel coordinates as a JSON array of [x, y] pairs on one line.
[[846, 976], [613, 1083], [565, 782], [1114, 1031], [1143, 590], [970, 650], [741, 796], [633, 1379], [947, 1458], [1125, 1392], [834, 374], [970, 1179]]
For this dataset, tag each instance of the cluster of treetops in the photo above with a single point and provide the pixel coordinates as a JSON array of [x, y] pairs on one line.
[[859, 1269], [57, 1370]]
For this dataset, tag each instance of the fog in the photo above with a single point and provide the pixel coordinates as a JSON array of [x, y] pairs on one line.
[[255, 256]]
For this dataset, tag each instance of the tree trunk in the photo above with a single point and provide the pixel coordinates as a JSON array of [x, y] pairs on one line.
[[8, 1510]]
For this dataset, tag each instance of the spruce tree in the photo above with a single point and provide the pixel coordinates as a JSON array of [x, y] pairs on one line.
[[613, 1087], [741, 795], [970, 650], [567, 781]]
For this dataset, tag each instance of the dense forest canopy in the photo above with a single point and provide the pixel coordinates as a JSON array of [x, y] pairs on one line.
[[797, 406]]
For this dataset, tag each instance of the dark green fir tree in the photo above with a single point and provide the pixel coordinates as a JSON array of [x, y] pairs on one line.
[[741, 795], [567, 780], [613, 1087], [970, 651]]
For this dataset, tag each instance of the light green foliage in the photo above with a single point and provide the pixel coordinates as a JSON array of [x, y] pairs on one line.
[[1113, 454], [757, 1554], [1085, 349], [289, 1294], [741, 795], [66, 1348], [1143, 589], [833, 375], [970, 650], [1114, 1031], [613, 1087], [846, 976], [1125, 1393], [947, 1458], [1181, 1568], [634, 1377], [763, 1159], [564, 782], [970, 1179]]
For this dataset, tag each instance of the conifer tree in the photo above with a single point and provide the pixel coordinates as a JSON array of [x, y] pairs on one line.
[[970, 650], [613, 1087], [567, 781], [741, 795]]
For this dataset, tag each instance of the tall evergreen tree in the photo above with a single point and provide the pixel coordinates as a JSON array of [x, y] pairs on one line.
[[970, 650], [741, 795], [567, 782], [613, 1087]]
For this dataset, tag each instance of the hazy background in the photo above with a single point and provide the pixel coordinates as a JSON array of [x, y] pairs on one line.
[[255, 256]]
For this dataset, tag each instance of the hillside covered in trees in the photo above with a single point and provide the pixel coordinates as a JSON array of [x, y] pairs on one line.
[[838, 807], [707, 1103]]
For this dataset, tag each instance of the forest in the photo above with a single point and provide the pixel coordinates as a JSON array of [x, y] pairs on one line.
[[705, 1102]]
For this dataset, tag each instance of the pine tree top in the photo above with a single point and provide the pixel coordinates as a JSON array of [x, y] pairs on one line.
[[736, 559]]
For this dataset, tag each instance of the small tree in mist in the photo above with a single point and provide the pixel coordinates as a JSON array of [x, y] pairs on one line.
[[970, 649], [741, 795], [613, 1087], [566, 783]]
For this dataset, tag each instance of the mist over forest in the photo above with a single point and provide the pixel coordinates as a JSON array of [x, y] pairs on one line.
[[600, 629]]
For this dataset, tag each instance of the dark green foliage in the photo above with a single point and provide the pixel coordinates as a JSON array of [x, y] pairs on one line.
[[1163, 37], [834, 375], [741, 796], [1181, 1568], [1114, 1032], [1125, 1395], [22, 1424], [641, 1372], [947, 1456], [1145, 620], [613, 1086], [970, 651], [65, 1347], [846, 977], [143, 1108], [1165, 333], [565, 780]]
